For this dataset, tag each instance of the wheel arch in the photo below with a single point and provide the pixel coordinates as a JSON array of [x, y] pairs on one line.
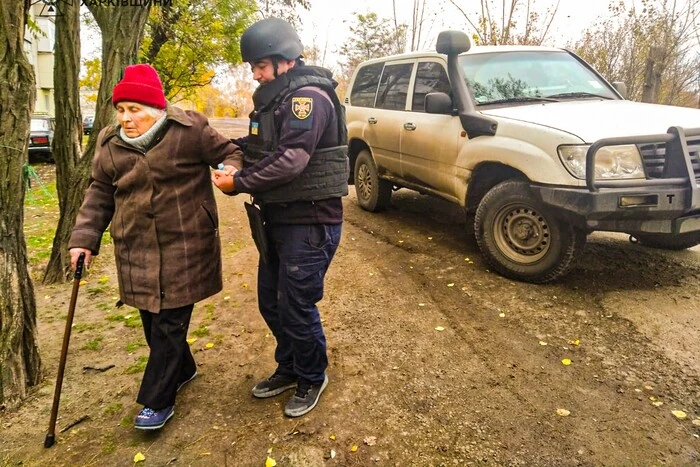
[[484, 177], [355, 146]]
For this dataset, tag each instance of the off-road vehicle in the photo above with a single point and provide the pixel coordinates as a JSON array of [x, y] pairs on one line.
[[535, 145]]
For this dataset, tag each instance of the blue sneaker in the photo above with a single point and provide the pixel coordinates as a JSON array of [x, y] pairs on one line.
[[149, 419], [183, 383]]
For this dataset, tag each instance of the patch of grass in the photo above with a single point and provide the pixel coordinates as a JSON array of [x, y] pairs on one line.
[[104, 306], [40, 207], [201, 331], [218, 339], [97, 290], [109, 444], [103, 280], [132, 321], [81, 327], [138, 366], [114, 317], [127, 421], [209, 309], [94, 344], [114, 408], [234, 246], [132, 347]]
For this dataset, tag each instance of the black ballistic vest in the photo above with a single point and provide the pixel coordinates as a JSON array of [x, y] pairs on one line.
[[326, 175]]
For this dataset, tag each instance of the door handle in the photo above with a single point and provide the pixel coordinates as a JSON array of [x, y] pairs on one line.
[[409, 126], [372, 120]]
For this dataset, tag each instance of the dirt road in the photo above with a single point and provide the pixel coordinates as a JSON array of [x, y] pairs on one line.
[[434, 360]]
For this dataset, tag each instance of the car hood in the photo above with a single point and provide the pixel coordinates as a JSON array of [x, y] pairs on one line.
[[591, 120]]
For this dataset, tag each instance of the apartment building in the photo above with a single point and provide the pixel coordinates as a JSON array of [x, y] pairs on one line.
[[39, 48]]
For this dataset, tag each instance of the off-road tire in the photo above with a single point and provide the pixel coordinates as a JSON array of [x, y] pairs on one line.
[[673, 242], [373, 193], [521, 239]]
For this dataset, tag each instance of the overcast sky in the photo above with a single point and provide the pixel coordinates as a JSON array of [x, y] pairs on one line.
[[328, 21]]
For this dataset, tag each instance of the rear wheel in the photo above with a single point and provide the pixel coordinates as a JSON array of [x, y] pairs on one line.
[[674, 242], [521, 239], [373, 193]]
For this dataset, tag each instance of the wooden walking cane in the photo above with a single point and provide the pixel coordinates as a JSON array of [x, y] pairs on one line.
[[51, 436]]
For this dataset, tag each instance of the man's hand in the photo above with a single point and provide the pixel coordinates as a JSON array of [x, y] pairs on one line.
[[75, 253], [223, 179]]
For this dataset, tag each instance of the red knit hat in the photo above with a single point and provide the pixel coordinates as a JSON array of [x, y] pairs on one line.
[[141, 84]]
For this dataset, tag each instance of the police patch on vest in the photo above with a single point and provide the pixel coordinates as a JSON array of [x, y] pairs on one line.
[[302, 106], [301, 113]]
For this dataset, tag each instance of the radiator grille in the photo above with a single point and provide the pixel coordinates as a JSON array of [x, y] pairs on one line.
[[654, 156]]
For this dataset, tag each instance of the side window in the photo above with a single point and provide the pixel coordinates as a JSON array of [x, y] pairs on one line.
[[430, 77], [393, 87], [365, 85]]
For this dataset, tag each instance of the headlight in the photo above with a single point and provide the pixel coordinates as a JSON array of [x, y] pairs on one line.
[[611, 162]]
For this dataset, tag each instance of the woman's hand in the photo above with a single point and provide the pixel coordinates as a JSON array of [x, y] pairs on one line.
[[75, 253], [223, 179]]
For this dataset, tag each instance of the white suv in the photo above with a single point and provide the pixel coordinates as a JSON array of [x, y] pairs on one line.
[[534, 142]]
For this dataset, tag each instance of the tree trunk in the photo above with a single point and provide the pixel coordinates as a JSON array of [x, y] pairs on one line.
[[652, 74], [68, 134], [20, 364], [122, 30]]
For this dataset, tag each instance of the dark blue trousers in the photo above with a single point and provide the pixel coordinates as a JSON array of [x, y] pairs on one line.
[[289, 286]]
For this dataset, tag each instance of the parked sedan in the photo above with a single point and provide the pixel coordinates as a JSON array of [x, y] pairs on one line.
[[41, 135]]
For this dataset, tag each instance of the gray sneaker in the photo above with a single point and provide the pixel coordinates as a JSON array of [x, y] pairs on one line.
[[305, 398], [274, 385]]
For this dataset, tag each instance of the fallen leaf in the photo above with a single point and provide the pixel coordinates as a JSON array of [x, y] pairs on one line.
[[421, 304], [451, 284], [466, 259], [332, 437], [439, 328], [270, 462], [501, 315], [543, 343], [139, 457], [430, 238], [332, 453], [566, 362], [245, 285], [696, 422], [563, 412], [576, 342], [227, 297], [83, 282], [657, 404], [191, 340], [354, 448], [679, 414], [209, 345], [371, 440]]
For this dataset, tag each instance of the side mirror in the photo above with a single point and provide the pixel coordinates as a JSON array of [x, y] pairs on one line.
[[452, 42], [438, 103], [621, 88]]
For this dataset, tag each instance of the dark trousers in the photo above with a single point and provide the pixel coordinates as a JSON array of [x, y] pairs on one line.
[[170, 361], [289, 286]]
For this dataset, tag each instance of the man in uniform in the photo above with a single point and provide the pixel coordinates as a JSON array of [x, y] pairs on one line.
[[296, 168]]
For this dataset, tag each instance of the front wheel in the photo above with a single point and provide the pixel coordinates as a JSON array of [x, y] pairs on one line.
[[673, 242], [373, 193], [521, 239]]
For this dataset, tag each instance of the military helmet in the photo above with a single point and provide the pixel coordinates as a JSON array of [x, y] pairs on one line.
[[268, 37]]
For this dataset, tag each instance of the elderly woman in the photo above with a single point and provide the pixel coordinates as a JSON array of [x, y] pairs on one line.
[[151, 181]]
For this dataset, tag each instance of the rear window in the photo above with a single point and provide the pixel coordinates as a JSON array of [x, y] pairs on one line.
[[365, 85], [39, 124], [393, 87]]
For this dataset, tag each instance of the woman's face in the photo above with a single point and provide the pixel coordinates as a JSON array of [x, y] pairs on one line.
[[134, 118]]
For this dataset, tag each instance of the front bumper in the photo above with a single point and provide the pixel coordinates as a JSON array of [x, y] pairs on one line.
[[667, 201]]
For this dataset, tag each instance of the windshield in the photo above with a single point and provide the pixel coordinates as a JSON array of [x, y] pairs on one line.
[[521, 76], [39, 124]]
